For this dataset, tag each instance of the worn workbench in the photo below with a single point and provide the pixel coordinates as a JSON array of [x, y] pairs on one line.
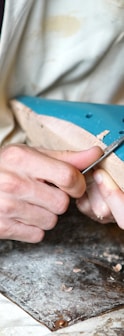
[[70, 276]]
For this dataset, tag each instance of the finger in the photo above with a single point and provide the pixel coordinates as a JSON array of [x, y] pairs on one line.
[[84, 206], [37, 216], [27, 213], [33, 191], [113, 196], [79, 159], [97, 202], [14, 230], [59, 173]]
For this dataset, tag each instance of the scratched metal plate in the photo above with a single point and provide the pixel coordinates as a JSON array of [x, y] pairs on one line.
[[108, 324], [69, 277]]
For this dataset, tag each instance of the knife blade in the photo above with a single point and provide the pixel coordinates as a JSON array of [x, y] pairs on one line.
[[108, 150]]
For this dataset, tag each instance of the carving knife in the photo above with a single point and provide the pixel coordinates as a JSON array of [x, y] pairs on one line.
[[108, 150]]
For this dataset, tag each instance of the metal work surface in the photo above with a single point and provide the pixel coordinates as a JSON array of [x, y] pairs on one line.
[[109, 324], [74, 274]]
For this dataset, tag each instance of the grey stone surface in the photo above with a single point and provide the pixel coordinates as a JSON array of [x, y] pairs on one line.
[[68, 277]]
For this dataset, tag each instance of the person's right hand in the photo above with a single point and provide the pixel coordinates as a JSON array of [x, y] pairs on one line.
[[35, 187]]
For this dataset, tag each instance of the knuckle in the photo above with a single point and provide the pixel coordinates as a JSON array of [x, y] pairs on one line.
[[62, 204], [69, 177], [10, 184], [12, 154], [7, 207], [52, 222], [37, 236]]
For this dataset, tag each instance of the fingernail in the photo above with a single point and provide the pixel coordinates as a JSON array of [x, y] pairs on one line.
[[98, 178]]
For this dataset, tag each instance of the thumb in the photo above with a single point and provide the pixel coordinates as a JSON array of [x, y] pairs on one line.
[[113, 196], [79, 159]]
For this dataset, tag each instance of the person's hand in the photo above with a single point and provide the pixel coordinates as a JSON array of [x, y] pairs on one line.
[[103, 201], [35, 187]]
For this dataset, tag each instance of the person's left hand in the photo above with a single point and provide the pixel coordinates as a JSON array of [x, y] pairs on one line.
[[103, 201]]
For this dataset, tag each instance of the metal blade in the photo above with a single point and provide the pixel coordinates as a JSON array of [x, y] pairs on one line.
[[107, 152]]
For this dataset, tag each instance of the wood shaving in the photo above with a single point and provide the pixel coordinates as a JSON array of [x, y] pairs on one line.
[[64, 288], [111, 278], [117, 268], [102, 134], [76, 270]]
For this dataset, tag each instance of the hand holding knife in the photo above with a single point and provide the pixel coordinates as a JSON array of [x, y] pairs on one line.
[[107, 152]]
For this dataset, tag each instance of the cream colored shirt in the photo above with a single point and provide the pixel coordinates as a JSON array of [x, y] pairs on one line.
[[61, 49]]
